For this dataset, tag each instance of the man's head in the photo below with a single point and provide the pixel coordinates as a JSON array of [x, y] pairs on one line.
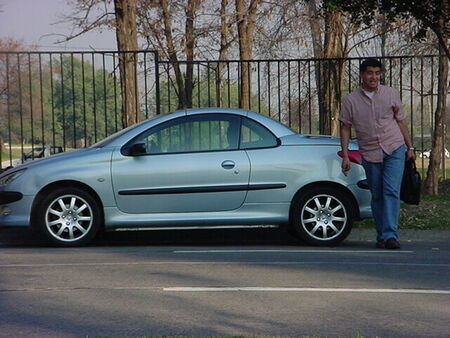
[[370, 72]]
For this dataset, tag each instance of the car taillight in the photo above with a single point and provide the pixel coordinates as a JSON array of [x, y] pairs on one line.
[[353, 155]]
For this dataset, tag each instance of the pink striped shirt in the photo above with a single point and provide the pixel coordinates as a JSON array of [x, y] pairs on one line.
[[375, 121]]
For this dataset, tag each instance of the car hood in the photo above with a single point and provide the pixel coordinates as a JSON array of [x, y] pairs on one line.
[[312, 140], [53, 158]]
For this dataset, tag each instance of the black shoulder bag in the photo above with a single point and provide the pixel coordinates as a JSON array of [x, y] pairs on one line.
[[411, 183]]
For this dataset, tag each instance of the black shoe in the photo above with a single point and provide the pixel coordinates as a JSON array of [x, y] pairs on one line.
[[392, 244], [380, 244]]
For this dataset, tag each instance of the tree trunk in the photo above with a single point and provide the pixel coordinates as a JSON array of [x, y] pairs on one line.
[[432, 179], [246, 26], [329, 73], [333, 72], [189, 50], [224, 33], [167, 19], [126, 35]]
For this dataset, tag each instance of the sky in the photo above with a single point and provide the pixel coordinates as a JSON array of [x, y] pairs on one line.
[[35, 22]]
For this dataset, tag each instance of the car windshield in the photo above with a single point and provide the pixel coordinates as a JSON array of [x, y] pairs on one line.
[[110, 138], [35, 153]]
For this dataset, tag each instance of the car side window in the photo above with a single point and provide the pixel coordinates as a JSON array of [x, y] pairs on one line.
[[194, 133], [254, 136]]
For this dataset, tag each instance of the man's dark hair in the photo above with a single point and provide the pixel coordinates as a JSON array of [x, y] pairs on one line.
[[372, 62]]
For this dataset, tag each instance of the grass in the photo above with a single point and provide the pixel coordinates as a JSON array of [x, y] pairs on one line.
[[356, 336], [16, 153], [433, 212]]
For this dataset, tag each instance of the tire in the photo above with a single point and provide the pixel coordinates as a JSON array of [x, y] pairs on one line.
[[69, 217], [322, 216]]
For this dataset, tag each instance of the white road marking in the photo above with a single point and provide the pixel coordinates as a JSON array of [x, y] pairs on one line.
[[295, 251], [99, 264], [293, 289], [234, 289]]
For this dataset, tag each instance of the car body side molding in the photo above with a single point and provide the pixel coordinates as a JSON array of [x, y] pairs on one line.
[[193, 190]]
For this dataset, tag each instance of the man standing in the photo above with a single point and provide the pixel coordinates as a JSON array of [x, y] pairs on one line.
[[375, 111]]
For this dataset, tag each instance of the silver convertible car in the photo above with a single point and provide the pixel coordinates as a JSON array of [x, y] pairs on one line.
[[200, 168]]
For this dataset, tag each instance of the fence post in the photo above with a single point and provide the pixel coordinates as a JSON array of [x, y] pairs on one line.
[[158, 101]]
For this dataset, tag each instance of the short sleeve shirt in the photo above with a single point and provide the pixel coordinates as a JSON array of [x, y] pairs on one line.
[[375, 121]]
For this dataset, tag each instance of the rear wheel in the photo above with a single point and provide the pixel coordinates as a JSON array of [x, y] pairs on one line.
[[69, 217], [322, 216]]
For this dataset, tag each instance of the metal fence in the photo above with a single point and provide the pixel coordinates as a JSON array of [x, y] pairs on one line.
[[75, 99]]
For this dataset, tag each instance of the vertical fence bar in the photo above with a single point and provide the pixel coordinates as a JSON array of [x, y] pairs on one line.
[[20, 103], [105, 105], [74, 141], [63, 101], [209, 83], [309, 97], [145, 85], [83, 96], [42, 101], [94, 91], [198, 86], [116, 120], [268, 88], [228, 85], [8, 108], [411, 99], [136, 92], [30, 85], [157, 84], [279, 93], [259, 84], [299, 99], [289, 93], [421, 115], [52, 94]]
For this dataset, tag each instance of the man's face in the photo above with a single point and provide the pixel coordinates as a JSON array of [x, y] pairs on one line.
[[371, 78]]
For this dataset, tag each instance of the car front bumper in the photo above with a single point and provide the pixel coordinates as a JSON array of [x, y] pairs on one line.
[[15, 213]]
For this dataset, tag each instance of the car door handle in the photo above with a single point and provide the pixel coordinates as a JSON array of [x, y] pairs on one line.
[[228, 164]]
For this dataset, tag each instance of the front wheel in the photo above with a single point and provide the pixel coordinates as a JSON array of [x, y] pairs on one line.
[[69, 217], [322, 216]]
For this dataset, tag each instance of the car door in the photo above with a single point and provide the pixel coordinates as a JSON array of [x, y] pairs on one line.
[[190, 164], [269, 175]]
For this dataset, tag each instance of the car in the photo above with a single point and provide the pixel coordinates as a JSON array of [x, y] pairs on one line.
[[40, 152], [427, 154], [34, 154], [191, 169]]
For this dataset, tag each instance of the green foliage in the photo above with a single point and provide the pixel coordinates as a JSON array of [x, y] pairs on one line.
[[427, 12], [84, 103], [204, 94]]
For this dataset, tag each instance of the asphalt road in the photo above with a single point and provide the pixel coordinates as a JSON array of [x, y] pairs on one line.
[[238, 282]]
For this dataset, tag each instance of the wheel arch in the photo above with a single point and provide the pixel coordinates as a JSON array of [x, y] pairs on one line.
[[322, 184], [68, 184]]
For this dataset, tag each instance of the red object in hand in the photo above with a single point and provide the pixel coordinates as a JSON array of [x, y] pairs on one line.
[[353, 155]]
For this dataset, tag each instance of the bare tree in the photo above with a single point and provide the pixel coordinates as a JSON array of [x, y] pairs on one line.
[[329, 71], [225, 42], [120, 15], [172, 40]]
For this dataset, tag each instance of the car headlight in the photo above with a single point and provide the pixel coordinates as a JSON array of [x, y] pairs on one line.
[[8, 178]]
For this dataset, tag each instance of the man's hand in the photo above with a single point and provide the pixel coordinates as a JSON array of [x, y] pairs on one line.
[[411, 155], [345, 165], [345, 136]]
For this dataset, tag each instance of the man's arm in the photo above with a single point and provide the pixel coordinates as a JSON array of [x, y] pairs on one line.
[[345, 137], [404, 129]]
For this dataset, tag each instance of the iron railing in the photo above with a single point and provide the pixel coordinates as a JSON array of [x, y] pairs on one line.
[[74, 99]]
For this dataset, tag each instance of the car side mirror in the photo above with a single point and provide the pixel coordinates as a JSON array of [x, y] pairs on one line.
[[135, 149]]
